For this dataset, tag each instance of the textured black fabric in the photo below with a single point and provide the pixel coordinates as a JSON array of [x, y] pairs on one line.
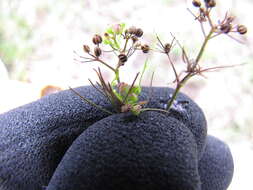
[[216, 166], [184, 109], [34, 137], [150, 152]]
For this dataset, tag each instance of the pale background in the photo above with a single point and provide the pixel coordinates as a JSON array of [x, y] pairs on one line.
[[37, 39]]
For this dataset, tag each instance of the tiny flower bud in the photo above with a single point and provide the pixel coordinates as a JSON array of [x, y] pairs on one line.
[[145, 48], [86, 48], [117, 28], [139, 32], [106, 35], [196, 3], [136, 109], [97, 39], [226, 28], [132, 30], [167, 48], [97, 51], [241, 29], [122, 58]]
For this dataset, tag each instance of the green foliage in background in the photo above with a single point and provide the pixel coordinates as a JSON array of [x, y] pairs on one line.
[[15, 33]]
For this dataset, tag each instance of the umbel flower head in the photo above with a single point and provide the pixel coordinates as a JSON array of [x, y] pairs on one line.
[[124, 42]]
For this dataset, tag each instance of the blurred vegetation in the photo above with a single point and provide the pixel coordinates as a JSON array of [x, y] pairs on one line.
[[15, 34]]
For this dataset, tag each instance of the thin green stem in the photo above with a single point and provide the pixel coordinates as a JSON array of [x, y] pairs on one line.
[[115, 42], [170, 102], [125, 46], [117, 75], [208, 37], [189, 75], [154, 109]]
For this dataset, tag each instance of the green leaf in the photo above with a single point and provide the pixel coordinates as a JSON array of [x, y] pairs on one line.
[[107, 42], [118, 95], [136, 90], [122, 27], [110, 30], [132, 98]]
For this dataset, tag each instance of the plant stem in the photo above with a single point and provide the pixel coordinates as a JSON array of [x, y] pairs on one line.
[[154, 109], [90, 102], [174, 96], [208, 37], [130, 89], [104, 63], [125, 46], [115, 42], [189, 75]]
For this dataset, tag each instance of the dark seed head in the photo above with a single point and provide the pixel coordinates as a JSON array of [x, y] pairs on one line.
[[145, 48], [167, 48], [97, 51], [196, 3], [132, 30], [210, 3], [97, 39], [226, 28], [138, 32], [122, 58], [86, 48], [241, 29]]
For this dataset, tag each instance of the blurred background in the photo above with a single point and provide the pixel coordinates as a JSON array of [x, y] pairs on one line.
[[37, 40]]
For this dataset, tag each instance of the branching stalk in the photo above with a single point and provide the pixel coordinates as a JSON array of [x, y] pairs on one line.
[[181, 83], [90, 102]]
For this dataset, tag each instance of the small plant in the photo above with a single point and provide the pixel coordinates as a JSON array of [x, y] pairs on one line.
[[124, 42]]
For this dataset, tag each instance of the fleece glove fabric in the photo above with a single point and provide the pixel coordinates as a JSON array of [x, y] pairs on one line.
[[216, 166], [35, 137], [149, 152]]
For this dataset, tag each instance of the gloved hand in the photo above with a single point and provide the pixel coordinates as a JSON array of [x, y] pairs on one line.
[[36, 136], [152, 151]]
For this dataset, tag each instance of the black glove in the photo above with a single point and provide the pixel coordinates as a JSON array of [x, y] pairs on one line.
[[36, 136], [216, 166], [149, 152]]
